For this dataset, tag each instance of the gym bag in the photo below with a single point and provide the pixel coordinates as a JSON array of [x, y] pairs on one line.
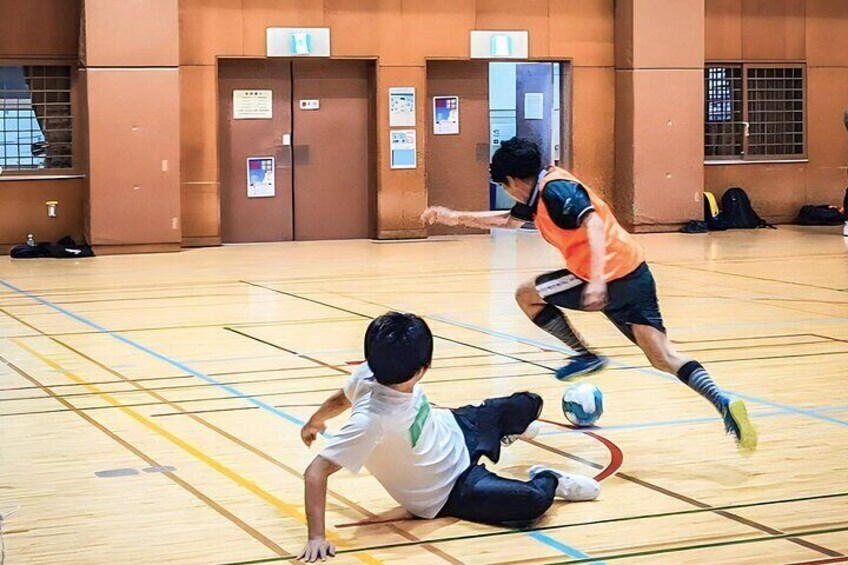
[[822, 215], [737, 212]]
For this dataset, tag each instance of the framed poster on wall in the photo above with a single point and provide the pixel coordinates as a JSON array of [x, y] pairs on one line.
[[446, 115], [402, 107], [403, 149], [261, 177]]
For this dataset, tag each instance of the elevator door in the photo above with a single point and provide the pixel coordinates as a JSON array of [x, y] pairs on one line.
[[333, 174], [246, 219], [321, 135]]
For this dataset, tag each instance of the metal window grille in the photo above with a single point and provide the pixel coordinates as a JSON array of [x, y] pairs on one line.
[[776, 111], [723, 124], [36, 121], [754, 111]]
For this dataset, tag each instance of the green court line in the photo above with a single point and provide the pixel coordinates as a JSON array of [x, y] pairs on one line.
[[599, 522], [695, 547]]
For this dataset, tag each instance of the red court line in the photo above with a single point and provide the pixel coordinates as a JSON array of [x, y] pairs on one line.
[[616, 459]]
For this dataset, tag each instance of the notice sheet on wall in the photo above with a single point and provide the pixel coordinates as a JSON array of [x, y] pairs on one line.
[[402, 107], [446, 115], [252, 105], [403, 148], [260, 177]]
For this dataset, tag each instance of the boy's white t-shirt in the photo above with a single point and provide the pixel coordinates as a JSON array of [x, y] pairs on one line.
[[416, 452]]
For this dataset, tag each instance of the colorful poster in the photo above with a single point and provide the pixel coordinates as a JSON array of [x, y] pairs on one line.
[[403, 149], [260, 177], [446, 115], [252, 105], [402, 107]]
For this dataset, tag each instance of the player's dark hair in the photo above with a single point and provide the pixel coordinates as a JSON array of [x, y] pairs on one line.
[[517, 158], [397, 347]]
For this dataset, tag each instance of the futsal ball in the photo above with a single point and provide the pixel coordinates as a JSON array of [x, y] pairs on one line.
[[582, 404]]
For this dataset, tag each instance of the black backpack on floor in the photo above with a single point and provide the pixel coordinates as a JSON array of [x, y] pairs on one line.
[[822, 215], [737, 212]]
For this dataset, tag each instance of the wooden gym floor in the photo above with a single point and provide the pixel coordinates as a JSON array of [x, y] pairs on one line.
[[150, 405]]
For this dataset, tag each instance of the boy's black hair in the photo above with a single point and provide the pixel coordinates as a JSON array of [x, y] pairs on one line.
[[397, 347], [518, 158]]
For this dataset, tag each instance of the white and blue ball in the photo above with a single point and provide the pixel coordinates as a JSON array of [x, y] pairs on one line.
[[583, 404]]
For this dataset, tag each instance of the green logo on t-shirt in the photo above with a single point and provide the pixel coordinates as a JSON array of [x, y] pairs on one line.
[[420, 418]]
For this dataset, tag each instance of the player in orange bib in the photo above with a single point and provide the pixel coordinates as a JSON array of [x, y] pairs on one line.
[[605, 271]]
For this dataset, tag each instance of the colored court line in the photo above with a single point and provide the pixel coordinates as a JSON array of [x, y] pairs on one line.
[[603, 521], [164, 358], [561, 547], [251, 486], [652, 372], [822, 561], [691, 421], [689, 500], [554, 543], [694, 547], [255, 534], [627, 555], [258, 452]]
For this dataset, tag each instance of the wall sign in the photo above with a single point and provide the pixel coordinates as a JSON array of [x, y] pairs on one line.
[[309, 104], [402, 107], [253, 104], [297, 42], [534, 106], [261, 177], [403, 149], [446, 115], [500, 44]]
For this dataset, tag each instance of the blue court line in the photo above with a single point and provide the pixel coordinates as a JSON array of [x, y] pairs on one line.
[[687, 421], [652, 372], [231, 390], [164, 358], [562, 548]]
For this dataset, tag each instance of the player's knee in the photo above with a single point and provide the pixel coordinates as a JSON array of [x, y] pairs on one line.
[[526, 295], [538, 504]]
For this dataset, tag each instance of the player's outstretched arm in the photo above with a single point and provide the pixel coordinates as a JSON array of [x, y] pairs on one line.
[[317, 547], [317, 424], [482, 220], [595, 294]]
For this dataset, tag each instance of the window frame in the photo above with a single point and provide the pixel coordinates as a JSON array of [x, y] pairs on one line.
[[746, 157], [76, 170]]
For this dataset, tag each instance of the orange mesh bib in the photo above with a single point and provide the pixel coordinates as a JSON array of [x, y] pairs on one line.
[[623, 253]]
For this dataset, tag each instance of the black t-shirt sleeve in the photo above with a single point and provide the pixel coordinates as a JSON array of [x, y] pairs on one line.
[[567, 203], [522, 212]]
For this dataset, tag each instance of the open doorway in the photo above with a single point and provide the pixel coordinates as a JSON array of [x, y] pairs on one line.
[[485, 103], [524, 100]]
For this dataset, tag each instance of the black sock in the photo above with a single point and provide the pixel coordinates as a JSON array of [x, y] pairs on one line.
[[555, 323], [696, 377]]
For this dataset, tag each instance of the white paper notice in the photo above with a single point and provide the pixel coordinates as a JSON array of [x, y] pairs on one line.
[[534, 106], [402, 107], [252, 105]]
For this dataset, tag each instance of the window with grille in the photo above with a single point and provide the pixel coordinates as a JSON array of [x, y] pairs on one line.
[[754, 112], [36, 122]]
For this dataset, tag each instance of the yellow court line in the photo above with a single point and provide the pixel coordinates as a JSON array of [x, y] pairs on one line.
[[281, 505]]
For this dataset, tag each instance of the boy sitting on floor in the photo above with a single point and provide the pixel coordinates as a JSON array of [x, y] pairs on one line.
[[426, 458]]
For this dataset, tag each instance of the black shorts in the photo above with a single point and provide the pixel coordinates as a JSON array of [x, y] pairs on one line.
[[632, 299]]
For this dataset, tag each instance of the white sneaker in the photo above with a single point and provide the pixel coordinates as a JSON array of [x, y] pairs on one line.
[[532, 431], [574, 488], [845, 230]]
